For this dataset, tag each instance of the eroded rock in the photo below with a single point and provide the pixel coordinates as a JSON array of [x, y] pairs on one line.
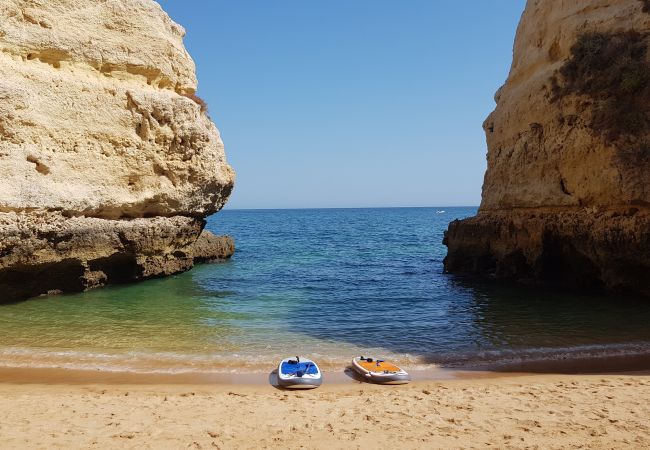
[[568, 154], [109, 164], [211, 248]]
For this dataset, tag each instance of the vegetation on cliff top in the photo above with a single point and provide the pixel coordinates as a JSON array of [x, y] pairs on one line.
[[613, 71]]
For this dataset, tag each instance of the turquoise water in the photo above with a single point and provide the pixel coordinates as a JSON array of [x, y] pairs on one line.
[[329, 284]]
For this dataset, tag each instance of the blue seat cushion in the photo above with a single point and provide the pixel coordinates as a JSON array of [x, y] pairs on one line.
[[306, 368]]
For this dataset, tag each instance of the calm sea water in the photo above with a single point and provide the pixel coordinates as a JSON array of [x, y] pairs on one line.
[[326, 283]]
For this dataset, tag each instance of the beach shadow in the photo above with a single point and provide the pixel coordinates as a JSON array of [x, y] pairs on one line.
[[354, 375], [273, 380]]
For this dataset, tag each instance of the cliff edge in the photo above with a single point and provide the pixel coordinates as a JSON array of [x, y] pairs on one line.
[[566, 195], [109, 161]]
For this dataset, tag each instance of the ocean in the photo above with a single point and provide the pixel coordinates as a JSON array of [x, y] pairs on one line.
[[326, 283]]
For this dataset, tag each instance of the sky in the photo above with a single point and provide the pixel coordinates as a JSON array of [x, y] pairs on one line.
[[340, 103]]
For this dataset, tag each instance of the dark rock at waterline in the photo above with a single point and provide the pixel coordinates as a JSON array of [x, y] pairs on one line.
[[48, 253], [584, 249], [212, 248]]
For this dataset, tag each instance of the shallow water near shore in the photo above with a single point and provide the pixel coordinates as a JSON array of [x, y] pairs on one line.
[[330, 284]]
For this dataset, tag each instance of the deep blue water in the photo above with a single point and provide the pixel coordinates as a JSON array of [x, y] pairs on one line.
[[330, 284], [374, 278]]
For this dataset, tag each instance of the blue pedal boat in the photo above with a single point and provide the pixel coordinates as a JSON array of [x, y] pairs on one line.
[[299, 373]]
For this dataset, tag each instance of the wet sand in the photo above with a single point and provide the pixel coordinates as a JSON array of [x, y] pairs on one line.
[[76, 377], [533, 411]]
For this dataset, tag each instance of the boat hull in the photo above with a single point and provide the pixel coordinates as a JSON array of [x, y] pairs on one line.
[[394, 375], [304, 375], [300, 383]]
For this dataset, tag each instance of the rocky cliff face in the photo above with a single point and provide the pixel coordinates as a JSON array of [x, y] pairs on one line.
[[109, 162], [567, 192]]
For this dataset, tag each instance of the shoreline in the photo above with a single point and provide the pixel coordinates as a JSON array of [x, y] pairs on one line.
[[53, 376], [611, 365]]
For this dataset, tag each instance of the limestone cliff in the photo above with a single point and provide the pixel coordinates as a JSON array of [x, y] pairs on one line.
[[109, 162], [566, 196]]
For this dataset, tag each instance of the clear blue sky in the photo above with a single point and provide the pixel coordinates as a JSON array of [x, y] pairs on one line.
[[350, 103]]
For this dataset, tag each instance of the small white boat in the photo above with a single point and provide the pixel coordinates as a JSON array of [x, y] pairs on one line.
[[380, 371], [299, 373]]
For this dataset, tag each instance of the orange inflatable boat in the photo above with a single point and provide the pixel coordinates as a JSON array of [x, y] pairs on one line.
[[380, 371]]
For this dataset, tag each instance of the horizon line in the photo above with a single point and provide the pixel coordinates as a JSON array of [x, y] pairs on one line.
[[345, 207]]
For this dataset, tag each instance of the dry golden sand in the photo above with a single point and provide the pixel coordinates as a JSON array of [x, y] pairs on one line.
[[540, 411]]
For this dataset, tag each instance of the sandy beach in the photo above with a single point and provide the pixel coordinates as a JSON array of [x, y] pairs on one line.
[[532, 411]]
